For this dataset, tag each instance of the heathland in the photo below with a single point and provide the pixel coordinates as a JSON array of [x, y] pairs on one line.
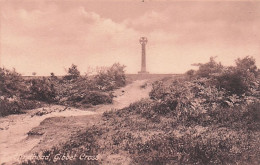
[[206, 116]]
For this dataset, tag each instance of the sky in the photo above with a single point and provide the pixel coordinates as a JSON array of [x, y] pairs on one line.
[[47, 36]]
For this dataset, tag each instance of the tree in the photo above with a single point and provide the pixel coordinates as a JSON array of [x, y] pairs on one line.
[[11, 83], [209, 68], [117, 71], [73, 72], [247, 64], [239, 79], [34, 73], [111, 78]]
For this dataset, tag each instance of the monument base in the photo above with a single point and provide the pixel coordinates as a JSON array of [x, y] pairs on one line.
[[142, 72]]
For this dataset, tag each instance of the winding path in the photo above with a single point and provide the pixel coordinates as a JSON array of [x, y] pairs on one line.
[[14, 139]]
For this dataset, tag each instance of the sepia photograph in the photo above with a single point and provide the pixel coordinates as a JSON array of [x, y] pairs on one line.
[[129, 82]]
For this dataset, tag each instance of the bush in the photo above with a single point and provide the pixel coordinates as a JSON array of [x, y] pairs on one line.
[[11, 83], [72, 89], [9, 107], [118, 74], [236, 81], [82, 91], [239, 80], [14, 91], [207, 148], [72, 73], [247, 64], [226, 139], [43, 90], [190, 73], [197, 102], [221, 135], [16, 105], [159, 90], [74, 152], [96, 98], [111, 78], [208, 69], [242, 116]]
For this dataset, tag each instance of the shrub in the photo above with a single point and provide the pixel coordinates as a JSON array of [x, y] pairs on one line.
[[72, 89], [208, 69], [207, 148], [235, 81], [14, 93], [72, 73], [229, 137], [215, 143], [247, 64], [11, 83], [95, 98], [9, 107], [16, 105], [43, 90], [118, 74], [241, 79], [198, 102], [190, 73], [75, 151], [111, 78], [158, 90]]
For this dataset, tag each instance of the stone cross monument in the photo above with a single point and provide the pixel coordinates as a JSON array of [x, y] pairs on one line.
[[143, 41]]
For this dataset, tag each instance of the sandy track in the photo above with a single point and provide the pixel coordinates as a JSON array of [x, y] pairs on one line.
[[14, 139]]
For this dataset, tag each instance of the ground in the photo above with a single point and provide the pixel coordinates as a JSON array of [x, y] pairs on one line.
[[41, 129]]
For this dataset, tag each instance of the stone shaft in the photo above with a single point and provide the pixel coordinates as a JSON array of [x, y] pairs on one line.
[[143, 68], [143, 41]]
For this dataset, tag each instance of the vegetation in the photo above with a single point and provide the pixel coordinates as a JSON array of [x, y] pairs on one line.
[[240, 79], [111, 78], [73, 73], [13, 93], [201, 118], [19, 94]]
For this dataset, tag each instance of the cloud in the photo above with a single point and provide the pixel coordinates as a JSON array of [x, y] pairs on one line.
[[226, 22], [48, 36], [60, 38]]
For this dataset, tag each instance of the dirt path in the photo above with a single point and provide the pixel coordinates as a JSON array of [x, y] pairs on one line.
[[14, 129]]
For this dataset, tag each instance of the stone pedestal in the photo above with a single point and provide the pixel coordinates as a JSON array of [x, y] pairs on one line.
[[143, 72]]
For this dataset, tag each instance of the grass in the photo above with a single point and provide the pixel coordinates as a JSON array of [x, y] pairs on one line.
[[146, 137]]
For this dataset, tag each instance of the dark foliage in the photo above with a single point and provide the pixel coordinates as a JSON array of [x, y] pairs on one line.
[[210, 118], [11, 83], [15, 105], [81, 150], [13, 93], [73, 73], [111, 78], [71, 90], [239, 80], [208, 69], [95, 98], [43, 90]]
